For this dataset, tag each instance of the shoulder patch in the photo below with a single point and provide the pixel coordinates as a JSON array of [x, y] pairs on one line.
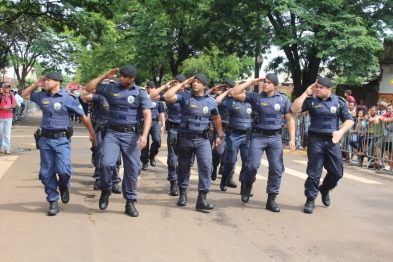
[[143, 88], [73, 95], [342, 99]]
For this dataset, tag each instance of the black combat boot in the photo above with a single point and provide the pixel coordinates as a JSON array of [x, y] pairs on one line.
[[214, 173], [202, 203], [242, 185], [246, 192], [53, 208], [144, 166], [325, 195], [309, 206], [231, 183], [116, 189], [183, 197], [104, 199], [271, 203], [97, 185], [153, 161], [224, 183], [65, 195], [130, 208], [173, 188]]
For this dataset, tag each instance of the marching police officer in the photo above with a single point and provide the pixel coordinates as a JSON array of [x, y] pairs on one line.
[[127, 102], [238, 137], [54, 143], [196, 108], [268, 107], [101, 113], [219, 153], [157, 114], [325, 109], [172, 126]]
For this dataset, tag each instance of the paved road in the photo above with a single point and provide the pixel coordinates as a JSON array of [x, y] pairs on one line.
[[356, 227]]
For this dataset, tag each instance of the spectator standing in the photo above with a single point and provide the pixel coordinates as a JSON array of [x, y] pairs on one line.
[[7, 100]]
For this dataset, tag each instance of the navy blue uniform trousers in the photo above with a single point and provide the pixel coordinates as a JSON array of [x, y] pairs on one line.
[[126, 143], [97, 160], [234, 142], [321, 154], [273, 147], [202, 149], [155, 145], [55, 157]]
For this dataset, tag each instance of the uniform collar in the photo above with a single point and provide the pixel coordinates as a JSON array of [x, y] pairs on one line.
[[60, 93], [330, 98], [205, 94], [265, 95]]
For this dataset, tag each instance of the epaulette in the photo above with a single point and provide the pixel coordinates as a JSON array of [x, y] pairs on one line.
[[309, 97], [283, 94], [343, 99], [72, 94], [112, 81], [143, 88]]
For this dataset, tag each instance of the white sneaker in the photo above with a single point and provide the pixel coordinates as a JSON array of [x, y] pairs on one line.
[[7, 152]]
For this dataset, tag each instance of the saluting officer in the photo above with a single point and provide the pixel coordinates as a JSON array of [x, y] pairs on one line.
[[238, 137], [325, 109], [268, 106], [127, 102], [101, 114], [54, 144], [196, 108], [172, 125], [219, 153], [157, 113]]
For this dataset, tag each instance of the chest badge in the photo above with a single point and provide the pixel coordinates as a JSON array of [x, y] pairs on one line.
[[130, 99], [205, 110], [115, 94], [193, 106], [44, 102], [249, 111], [57, 106], [333, 109], [277, 107], [154, 104], [265, 104]]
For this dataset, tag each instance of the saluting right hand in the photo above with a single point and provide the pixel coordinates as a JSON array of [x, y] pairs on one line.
[[110, 73], [311, 89], [257, 81], [188, 81], [41, 81]]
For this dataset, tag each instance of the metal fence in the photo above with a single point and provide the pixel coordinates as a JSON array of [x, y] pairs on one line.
[[366, 144]]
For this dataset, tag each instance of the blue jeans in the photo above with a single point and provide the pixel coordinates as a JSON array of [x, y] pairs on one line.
[[5, 132]]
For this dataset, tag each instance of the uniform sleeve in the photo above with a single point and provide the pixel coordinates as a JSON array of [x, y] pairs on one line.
[[145, 101], [181, 98], [214, 108], [251, 98], [35, 97], [344, 112], [161, 97], [306, 105], [96, 99], [104, 89], [74, 106], [287, 105], [161, 107]]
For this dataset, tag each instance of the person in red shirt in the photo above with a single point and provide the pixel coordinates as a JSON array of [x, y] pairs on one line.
[[7, 100], [348, 96]]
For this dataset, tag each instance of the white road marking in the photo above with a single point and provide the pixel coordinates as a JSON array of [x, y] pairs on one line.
[[5, 163], [346, 175]]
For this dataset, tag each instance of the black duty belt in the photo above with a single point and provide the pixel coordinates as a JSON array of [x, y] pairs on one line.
[[173, 125], [123, 129], [319, 136], [192, 136], [266, 132], [240, 132], [53, 135]]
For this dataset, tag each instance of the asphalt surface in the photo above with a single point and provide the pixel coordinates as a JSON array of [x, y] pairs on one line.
[[356, 227]]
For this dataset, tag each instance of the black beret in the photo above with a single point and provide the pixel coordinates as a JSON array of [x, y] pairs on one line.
[[151, 84], [230, 82], [128, 70], [54, 76], [273, 78], [114, 80], [325, 82], [202, 78], [181, 78]]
